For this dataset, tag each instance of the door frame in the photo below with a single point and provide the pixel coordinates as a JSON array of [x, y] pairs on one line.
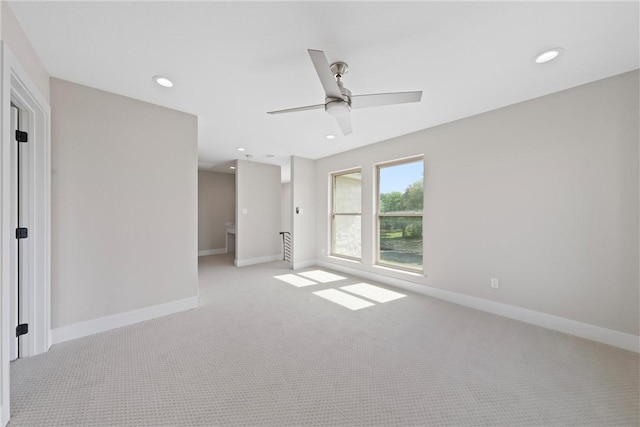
[[16, 86]]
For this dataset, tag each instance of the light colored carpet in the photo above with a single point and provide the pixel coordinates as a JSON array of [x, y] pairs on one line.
[[261, 351]]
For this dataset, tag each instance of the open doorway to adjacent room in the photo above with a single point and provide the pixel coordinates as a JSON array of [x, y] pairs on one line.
[[217, 210]]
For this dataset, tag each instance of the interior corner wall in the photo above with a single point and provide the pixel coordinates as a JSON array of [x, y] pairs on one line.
[[543, 195], [216, 207], [303, 172], [124, 204], [286, 208], [13, 35], [258, 203]]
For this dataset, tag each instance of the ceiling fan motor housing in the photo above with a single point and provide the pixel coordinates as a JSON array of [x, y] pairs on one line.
[[339, 107]]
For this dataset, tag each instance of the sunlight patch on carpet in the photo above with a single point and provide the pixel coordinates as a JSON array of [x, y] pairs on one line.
[[344, 299], [295, 280], [374, 293], [321, 276]]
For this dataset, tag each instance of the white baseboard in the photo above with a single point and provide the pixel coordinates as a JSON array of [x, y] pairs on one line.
[[303, 264], [572, 327], [206, 252], [102, 324], [251, 261]]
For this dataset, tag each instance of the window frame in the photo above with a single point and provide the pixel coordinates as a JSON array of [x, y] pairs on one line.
[[333, 214], [378, 261]]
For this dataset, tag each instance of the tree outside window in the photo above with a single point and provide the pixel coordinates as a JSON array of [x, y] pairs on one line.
[[400, 210]]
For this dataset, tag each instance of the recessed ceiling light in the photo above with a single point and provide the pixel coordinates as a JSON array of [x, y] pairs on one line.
[[269, 156], [163, 81], [330, 136], [232, 167], [548, 55], [240, 149]]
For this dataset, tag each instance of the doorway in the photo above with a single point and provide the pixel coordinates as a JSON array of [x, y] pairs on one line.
[[19, 221], [22, 105]]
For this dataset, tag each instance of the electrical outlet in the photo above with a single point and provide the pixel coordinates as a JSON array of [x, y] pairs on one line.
[[495, 283], [322, 251]]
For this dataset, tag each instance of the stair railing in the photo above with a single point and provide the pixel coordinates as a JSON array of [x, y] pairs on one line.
[[286, 246]]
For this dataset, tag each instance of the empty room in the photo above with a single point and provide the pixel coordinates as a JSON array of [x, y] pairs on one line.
[[295, 213]]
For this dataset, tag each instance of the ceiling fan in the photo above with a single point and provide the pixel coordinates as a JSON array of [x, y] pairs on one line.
[[339, 101]]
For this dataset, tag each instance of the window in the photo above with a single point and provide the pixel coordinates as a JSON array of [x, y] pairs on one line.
[[346, 214], [400, 206]]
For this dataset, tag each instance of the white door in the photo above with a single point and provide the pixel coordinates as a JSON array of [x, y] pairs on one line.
[[19, 169]]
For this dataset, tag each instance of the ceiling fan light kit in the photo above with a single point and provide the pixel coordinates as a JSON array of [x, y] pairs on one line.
[[337, 107], [338, 101]]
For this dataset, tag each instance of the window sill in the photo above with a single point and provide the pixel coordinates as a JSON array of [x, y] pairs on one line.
[[349, 260], [400, 271]]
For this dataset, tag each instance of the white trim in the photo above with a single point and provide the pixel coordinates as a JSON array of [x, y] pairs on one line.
[[16, 85], [107, 323], [206, 252], [572, 327], [303, 264], [38, 280], [5, 251], [251, 261]]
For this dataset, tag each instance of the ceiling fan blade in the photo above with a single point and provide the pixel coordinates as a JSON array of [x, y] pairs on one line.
[[331, 88], [345, 124], [293, 110], [378, 99]]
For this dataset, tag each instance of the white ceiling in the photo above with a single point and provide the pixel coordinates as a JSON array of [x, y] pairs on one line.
[[234, 61]]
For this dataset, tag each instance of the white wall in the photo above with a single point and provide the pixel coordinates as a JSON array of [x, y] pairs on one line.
[[216, 206], [543, 195], [303, 173], [286, 208], [258, 203], [124, 204]]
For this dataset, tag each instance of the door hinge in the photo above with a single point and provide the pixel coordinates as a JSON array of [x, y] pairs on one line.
[[21, 233], [21, 136], [22, 329]]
